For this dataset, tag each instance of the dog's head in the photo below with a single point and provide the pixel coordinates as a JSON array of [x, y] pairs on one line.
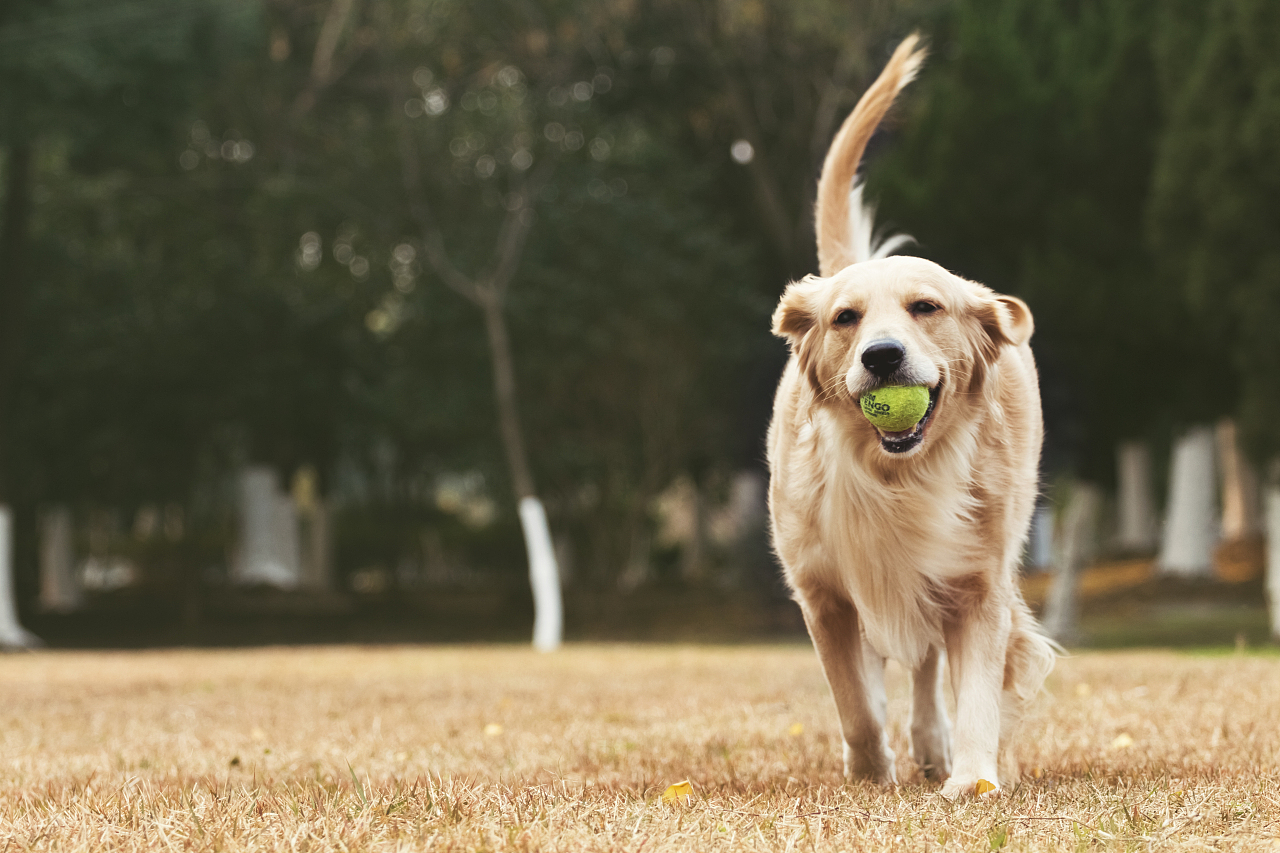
[[899, 321]]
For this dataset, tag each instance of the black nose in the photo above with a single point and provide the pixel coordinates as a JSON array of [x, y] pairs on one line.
[[883, 357]]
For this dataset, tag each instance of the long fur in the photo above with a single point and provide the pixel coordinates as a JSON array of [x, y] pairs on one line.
[[908, 555]]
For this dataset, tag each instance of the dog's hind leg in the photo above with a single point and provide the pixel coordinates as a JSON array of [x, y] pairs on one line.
[[930, 731], [855, 673], [1028, 661]]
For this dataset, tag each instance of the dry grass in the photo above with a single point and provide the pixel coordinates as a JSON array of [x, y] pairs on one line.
[[501, 749]]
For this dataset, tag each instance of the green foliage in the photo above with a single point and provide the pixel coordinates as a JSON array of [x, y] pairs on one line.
[[1024, 163], [226, 256], [1215, 202]]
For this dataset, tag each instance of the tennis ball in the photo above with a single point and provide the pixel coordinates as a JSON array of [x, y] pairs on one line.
[[897, 407]]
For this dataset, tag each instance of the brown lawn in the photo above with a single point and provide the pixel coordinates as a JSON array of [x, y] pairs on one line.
[[499, 748]]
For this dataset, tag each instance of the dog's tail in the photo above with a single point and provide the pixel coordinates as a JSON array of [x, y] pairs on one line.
[[844, 225]]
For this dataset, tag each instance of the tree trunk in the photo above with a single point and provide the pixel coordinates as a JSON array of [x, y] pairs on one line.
[[1040, 542], [693, 556], [1077, 546], [1240, 510], [13, 256], [1191, 524], [14, 228], [316, 558], [268, 550], [544, 574], [1273, 556], [1136, 510], [59, 588], [12, 634], [504, 391], [752, 559]]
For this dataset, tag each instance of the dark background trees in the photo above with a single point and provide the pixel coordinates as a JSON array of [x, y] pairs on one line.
[[211, 253]]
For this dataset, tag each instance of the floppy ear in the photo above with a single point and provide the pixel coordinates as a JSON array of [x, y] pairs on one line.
[[795, 315], [796, 320], [1007, 320], [1004, 320]]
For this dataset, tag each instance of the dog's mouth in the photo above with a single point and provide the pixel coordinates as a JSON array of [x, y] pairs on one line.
[[909, 439]]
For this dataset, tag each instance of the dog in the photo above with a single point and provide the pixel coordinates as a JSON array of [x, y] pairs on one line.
[[907, 544]]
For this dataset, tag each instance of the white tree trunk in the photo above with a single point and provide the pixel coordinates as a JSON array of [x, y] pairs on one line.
[[544, 576], [1040, 543], [1241, 515], [268, 552], [1191, 522], [1137, 507], [1273, 556], [1077, 545], [12, 634], [59, 588]]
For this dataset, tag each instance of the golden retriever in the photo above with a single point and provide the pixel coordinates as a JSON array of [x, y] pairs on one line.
[[907, 544]]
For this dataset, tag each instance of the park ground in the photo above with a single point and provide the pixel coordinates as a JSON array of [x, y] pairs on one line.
[[500, 748]]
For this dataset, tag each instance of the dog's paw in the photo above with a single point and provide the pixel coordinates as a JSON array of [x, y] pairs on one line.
[[870, 765], [967, 787], [931, 751]]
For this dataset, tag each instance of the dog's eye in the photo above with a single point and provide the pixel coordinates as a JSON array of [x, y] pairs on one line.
[[924, 307], [847, 318]]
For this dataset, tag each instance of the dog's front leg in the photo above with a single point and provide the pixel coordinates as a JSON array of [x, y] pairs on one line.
[[855, 673], [976, 643]]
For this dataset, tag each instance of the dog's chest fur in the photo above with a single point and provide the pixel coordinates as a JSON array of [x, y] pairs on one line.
[[893, 546]]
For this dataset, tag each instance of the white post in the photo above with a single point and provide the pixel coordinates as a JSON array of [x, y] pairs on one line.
[[1273, 556], [544, 576], [1191, 523], [268, 551], [12, 634], [1077, 545], [59, 587], [1137, 506]]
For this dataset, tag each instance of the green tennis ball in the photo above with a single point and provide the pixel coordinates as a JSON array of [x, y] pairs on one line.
[[896, 407]]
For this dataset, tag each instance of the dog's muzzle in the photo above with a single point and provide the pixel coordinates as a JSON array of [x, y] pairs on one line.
[[907, 440]]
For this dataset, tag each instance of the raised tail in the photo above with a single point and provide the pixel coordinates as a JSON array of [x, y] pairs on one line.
[[844, 224]]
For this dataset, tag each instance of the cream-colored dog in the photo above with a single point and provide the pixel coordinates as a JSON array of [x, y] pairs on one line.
[[906, 545]]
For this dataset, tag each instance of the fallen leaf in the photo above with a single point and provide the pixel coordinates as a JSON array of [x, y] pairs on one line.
[[1123, 741], [678, 793], [983, 787], [492, 730], [796, 729]]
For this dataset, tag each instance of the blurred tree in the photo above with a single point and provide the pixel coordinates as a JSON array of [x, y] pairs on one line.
[[89, 90], [1215, 203], [538, 129], [759, 88], [1025, 164], [239, 218]]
